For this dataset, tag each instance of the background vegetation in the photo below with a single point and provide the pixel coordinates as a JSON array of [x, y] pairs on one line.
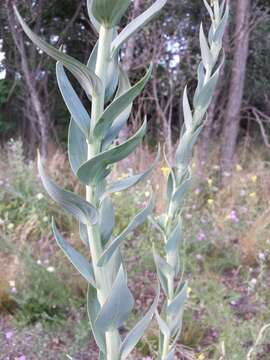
[[227, 241]]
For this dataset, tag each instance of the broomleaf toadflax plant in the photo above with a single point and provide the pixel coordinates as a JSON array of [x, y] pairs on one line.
[[92, 151], [170, 269]]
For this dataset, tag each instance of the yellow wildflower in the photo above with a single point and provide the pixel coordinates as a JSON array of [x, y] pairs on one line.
[[189, 291], [210, 201], [238, 167], [165, 170], [118, 193], [252, 195], [210, 182], [201, 357], [254, 178]]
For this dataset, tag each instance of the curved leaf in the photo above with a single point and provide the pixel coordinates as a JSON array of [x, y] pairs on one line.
[[88, 80], [106, 219], [122, 118], [118, 306], [93, 169], [135, 222], [108, 12], [79, 261], [73, 103], [73, 204], [77, 146], [93, 308], [93, 20], [119, 105], [112, 71], [130, 181], [137, 24], [134, 336]]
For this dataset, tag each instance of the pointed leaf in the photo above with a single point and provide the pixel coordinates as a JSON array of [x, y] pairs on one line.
[[135, 222], [179, 195], [84, 234], [93, 308], [79, 261], [178, 302], [187, 111], [73, 204], [77, 146], [164, 271], [119, 105], [106, 219], [172, 247], [162, 325], [134, 336], [184, 149], [118, 306], [206, 53], [112, 71], [137, 24], [73, 103], [219, 33], [91, 171], [121, 120], [88, 80], [205, 96], [130, 181]]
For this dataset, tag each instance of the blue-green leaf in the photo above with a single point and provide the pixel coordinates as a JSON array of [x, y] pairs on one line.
[[184, 149], [112, 71], [88, 80], [134, 336], [91, 171], [178, 302], [178, 196], [73, 204], [84, 234], [130, 181], [204, 98], [164, 328], [164, 271], [106, 219], [91, 16], [73, 103], [137, 24], [77, 146], [206, 53], [135, 222], [108, 12], [118, 306], [121, 120], [172, 246], [93, 308], [118, 105], [79, 261], [188, 118]]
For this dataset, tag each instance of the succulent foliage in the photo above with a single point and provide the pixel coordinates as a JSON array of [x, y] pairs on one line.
[[92, 150], [169, 268]]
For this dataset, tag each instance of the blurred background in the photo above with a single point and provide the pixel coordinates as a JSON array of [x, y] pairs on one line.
[[226, 251]]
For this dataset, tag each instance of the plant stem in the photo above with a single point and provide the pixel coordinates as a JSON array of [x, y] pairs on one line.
[[96, 247]]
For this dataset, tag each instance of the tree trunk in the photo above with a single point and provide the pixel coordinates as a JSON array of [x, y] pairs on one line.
[[33, 98], [236, 89], [129, 52]]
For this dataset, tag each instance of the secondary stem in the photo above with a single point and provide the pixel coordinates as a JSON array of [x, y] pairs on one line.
[[101, 275]]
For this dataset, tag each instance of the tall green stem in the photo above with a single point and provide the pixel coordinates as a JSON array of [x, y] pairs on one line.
[[96, 248]]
